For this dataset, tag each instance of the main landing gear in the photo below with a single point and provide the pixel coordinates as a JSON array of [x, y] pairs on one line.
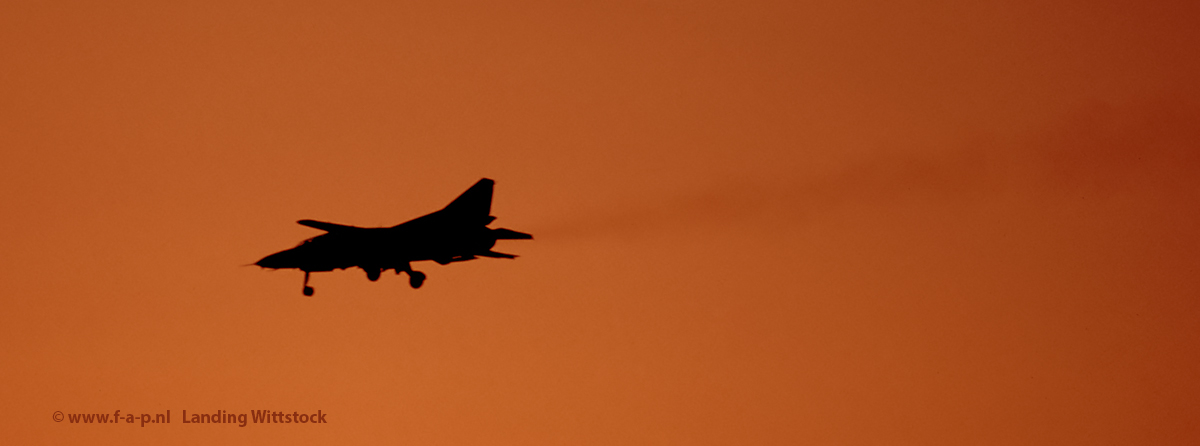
[[308, 291], [416, 278]]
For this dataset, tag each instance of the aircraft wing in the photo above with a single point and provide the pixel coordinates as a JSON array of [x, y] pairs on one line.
[[325, 226], [496, 255], [509, 234]]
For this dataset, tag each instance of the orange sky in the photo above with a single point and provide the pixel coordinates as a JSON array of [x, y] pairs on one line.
[[863, 222]]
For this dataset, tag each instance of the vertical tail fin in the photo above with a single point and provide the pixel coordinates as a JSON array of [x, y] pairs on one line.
[[476, 202]]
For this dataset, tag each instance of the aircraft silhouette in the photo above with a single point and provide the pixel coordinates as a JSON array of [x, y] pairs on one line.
[[456, 233]]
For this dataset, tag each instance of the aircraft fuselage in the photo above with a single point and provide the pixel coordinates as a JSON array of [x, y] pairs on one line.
[[455, 233]]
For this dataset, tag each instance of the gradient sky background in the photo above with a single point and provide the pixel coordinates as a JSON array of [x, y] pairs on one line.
[[835, 222]]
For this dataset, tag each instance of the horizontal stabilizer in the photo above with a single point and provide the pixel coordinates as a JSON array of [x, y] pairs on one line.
[[496, 255], [324, 226], [509, 234]]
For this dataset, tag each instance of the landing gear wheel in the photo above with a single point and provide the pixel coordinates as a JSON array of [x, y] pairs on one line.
[[416, 279], [308, 291], [373, 274]]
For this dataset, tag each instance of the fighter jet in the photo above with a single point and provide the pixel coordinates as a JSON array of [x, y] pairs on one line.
[[456, 233]]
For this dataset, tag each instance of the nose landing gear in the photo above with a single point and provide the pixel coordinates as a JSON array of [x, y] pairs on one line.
[[308, 291]]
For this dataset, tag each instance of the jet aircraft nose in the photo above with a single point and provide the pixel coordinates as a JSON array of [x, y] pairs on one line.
[[276, 260]]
